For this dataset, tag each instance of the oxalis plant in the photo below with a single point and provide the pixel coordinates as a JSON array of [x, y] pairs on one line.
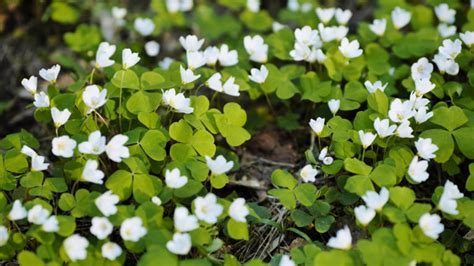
[[136, 163]]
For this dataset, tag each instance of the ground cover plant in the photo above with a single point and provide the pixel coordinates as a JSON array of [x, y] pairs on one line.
[[231, 132]]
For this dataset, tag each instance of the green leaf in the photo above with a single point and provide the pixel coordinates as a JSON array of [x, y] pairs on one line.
[[153, 144], [260, 21], [470, 178], [323, 224], [282, 178], [85, 38], [358, 184], [417, 210], [67, 225], [465, 141], [402, 197], [120, 182], [443, 140], [143, 188], [219, 181], [64, 13], [305, 194], [32, 179], [151, 81], [203, 142], [384, 175], [449, 118], [126, 79], [333, 257], [356, 166], [377, 59], [143, 101], [15, 162], [26, 258], [66, 202], [181, 131], [301, 218], [378, 101], [237, 230], [285, 196]]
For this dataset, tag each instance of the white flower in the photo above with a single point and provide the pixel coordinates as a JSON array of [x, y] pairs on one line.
[[431, 225], [187, 75], [76, 247], [400, 111], [226, 57], [422, 116], [94, 98], [446, 64], [178, 102], [37, 162], [447, 201], [468, 38], [256, 48], [211, 54], [183, 221], [366, 139], [238, 211], [195, 60], [383, 128], [50, 74], [60, 117], [132, 229], [293, 5], [343, 16], [259, 76], [95, 144], [426, 149], [51, 224], [308, 173], [231, 88], [253, 5], [106, 203], [308, 37], [3, 235], [119, 12], [328, 34], [219, 165], [423, 86], [156, 200], [364, 214], [215, 83], [111, 250], [404, 130], [286, 261], [173, 178], [376, 200], [103, 54], [173, 6], [207, 208], [166, 63], [129, 59], [317, 125], [63, 146], [446, 30], [41, 100], [340, 32], [17, 212], [191, 43], [31, 84], [91, 173], [116, 149], [327, 160], [300, 52], [422, 69], [400, 17], [417, 170], [445, 14], [38, 214], [378, 26], [325, 14], [350, 49], [334, 105], [276, 26], [152, 48], [372, 87], [450, 49], [317, 55], [144, 26], [101, 227], [342, 240], [180, 244]]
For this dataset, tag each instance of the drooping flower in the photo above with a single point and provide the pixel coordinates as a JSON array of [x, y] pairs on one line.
[[116, 149], [238, 210], [132, 229], [219, 165], [187, 75], [111, 250], [231, 88], [431, 225], [422, 116], [183, 221], [342, 240], [76, 247], [376, 200], [421, 69], [144, 26], [91, 173], [468, 38], [417, 170], [63, 146], [404, 130], [446, 30], [30, 84], [37, 162], [17, 212], [180, 244], [423, 86], [207, 209], [101, 227], [106, 203], [447, 201], [51, 74], [173, 178], [156, 200], [364, 214], [334, 105], [195, 60], [211, 54], [308, 173], [215, 83], [103, 54]]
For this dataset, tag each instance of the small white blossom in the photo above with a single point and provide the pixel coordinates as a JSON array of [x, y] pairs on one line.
[[60, 117], [468, 38], [238, 210], [215, 83], [228, 57], [101, 227], [50, 74], [350, 49], [383, 128], [76, 247], [400, 111], [377, 85], [106, 203], [180, 244], [211, 54], [95, 144], [156, 200], [30, 84], [422, 116], [286, 261], [3, 235], [219, 165], [342, 240], [41, 100], [91, 173], [325, 14], [308, 173], [63, 146], [447, 201], [256, 48], [51, 224], [366, 139], [423, 86], [334, 105], [111, 250], [317, 125], [195, 60], [152, 48], [207, 209], [417, 170], [253, 5], [446, 64], [178, 102], [400, 17], [422, 69], [445, 14], [378, 26], [426, 149], [166, 63], [183, 221], [343, 16], [431, 225], [129, 58], [376, 200], [173, 178], [38, 214], [187, 75], [404, 130], [327, 160], [94, 98], [37, 162], [307, 37], [191, 43], [17, 212], [116, 149], [364, 214], [144, 26], [119, 12], [259, 76], [446, 30], [277, 26], [103, 54], [450, 49], [132, 229], [231, 88]]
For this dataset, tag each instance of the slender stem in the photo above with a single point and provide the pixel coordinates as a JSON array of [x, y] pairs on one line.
[[92, 76], [102, 118], [363, 154], [311, 146], [120, 101]]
